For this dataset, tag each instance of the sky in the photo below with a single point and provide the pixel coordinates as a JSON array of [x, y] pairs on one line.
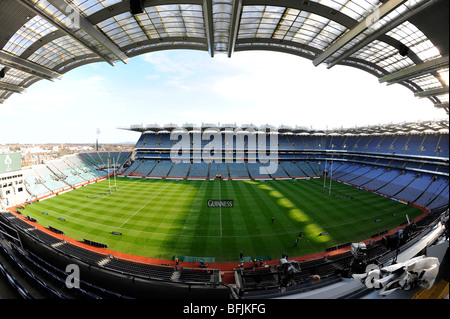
[[188, 86]]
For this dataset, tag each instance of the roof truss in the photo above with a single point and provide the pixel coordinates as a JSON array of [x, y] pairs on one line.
[[383, 30], [235, 19], [11, 87], [416, 71], [67, 30], [377, 15], [27, 66], [70, 10], [326, 31], [209, 28]]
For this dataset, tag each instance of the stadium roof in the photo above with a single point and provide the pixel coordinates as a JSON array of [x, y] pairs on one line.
[[399, 41], [441, 126]]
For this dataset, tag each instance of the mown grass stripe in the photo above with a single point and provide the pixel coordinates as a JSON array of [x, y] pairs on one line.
[[166, 217]]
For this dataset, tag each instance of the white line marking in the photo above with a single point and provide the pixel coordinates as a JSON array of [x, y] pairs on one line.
[[144, 205]]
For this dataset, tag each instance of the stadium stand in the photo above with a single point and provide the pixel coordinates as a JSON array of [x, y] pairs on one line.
[[89, 289], [396, 165], [402, 180], [255, 170], [280, 172], [67, 172], [199, 170], [415, 189], [371, 163], [132, 168], [144, 168], [239, 170], [161, 169], [179, 170], [407, 161], [218, 169], [306, 168], [292, 169], [34, 185], [385, 178], [60, 168], [386, 163]]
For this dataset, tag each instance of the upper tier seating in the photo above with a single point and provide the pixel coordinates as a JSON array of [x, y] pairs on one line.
[[400, 165], [435, 145]]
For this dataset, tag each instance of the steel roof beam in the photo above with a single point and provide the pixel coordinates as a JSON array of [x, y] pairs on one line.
[[234, 26], [63, 28], [68, 9], [415, 71], [433, 92], [442, 106], [382, 31], [209, 28], [11, 87], [382, 11], [28, 66]]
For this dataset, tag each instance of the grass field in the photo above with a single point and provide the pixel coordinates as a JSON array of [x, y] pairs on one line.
[[163, 218]]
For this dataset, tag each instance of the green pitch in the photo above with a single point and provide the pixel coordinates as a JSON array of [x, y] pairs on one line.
[[163, 218]]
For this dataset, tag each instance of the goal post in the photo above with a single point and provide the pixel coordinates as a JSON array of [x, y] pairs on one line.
[[111, 169], [108, 173], [327, 173]]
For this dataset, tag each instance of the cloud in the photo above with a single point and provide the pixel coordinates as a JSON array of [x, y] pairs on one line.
[[182, 86], [152, 77], [274, 88], [284, 88], [165, 64]]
